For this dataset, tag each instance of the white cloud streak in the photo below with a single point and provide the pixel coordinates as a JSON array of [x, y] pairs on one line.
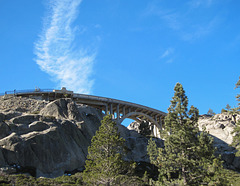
[[198, 3], [189, 25], [167, 52], [56, 55]]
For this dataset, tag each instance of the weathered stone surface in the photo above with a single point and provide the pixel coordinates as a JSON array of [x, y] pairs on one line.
[[38, 126], [53, 142], [11, 114], [2, 117], [2, 161], [25, 119], [62, 109], [12, 103], [220, 127], [4, 130]]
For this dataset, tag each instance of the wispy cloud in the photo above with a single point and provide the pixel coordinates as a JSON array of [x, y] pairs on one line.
[[167, 52], [188, 24], [57, 54], [199, 31], [199, 3], [167, 56], [169, 16]]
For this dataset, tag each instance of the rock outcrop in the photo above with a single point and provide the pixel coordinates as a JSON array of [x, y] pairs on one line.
[[220, 127], [48, 139]]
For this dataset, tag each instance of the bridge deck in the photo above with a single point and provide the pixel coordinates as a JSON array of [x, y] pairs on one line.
[[120, 109]]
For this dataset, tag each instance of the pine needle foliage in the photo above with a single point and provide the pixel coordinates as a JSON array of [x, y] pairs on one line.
[[238, 95], [236, 130], [104, 164], [187, 157]]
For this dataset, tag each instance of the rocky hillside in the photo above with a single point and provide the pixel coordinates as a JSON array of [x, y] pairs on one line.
[[51, 138]]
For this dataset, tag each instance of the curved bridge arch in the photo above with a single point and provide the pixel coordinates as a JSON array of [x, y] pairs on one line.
[[139, 117], [135, 115]]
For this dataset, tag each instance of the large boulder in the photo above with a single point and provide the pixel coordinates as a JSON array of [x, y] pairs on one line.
[[62, 109], [51, 142]]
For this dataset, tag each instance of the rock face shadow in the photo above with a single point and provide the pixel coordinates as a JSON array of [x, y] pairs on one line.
[[227, 153]]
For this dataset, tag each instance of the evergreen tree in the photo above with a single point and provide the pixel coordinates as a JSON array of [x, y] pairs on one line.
[[223, 111], [152, 151], [238, 95], [210, 112], [228, 107], [236, 138], [144, 128], [104, 164], [236, 130], [187, 156]]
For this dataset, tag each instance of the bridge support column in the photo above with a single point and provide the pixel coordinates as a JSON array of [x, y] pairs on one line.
[[123, 111], [129, 110], [106, 109], [118, 115], [111, 111], [160, 123]]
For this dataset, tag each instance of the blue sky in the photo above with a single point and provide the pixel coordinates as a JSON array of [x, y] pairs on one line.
[[130, 50]]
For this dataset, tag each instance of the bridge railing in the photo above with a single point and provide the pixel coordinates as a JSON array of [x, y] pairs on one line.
[[25, 91]]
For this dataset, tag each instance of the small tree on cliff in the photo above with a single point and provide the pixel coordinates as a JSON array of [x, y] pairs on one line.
[[144, 128], [228, 107], [210, 112], [104, 164], [187, 156], [238, 95]]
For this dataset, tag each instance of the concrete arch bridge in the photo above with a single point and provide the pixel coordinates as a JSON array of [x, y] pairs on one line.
[[118, 108]]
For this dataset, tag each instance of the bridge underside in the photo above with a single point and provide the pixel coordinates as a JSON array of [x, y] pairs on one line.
[[122, 111]]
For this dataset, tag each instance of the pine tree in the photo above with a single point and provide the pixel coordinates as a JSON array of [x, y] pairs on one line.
[[236, 130], [238, 95], [228, 107], [210, 112], [104, 164], [187, 156], [144, 128]]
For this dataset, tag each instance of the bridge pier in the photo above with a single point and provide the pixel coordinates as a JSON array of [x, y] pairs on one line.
[[111, 109], [118, 114], [106, 109]]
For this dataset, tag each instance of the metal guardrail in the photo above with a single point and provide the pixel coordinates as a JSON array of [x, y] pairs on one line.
[[25, 91]]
